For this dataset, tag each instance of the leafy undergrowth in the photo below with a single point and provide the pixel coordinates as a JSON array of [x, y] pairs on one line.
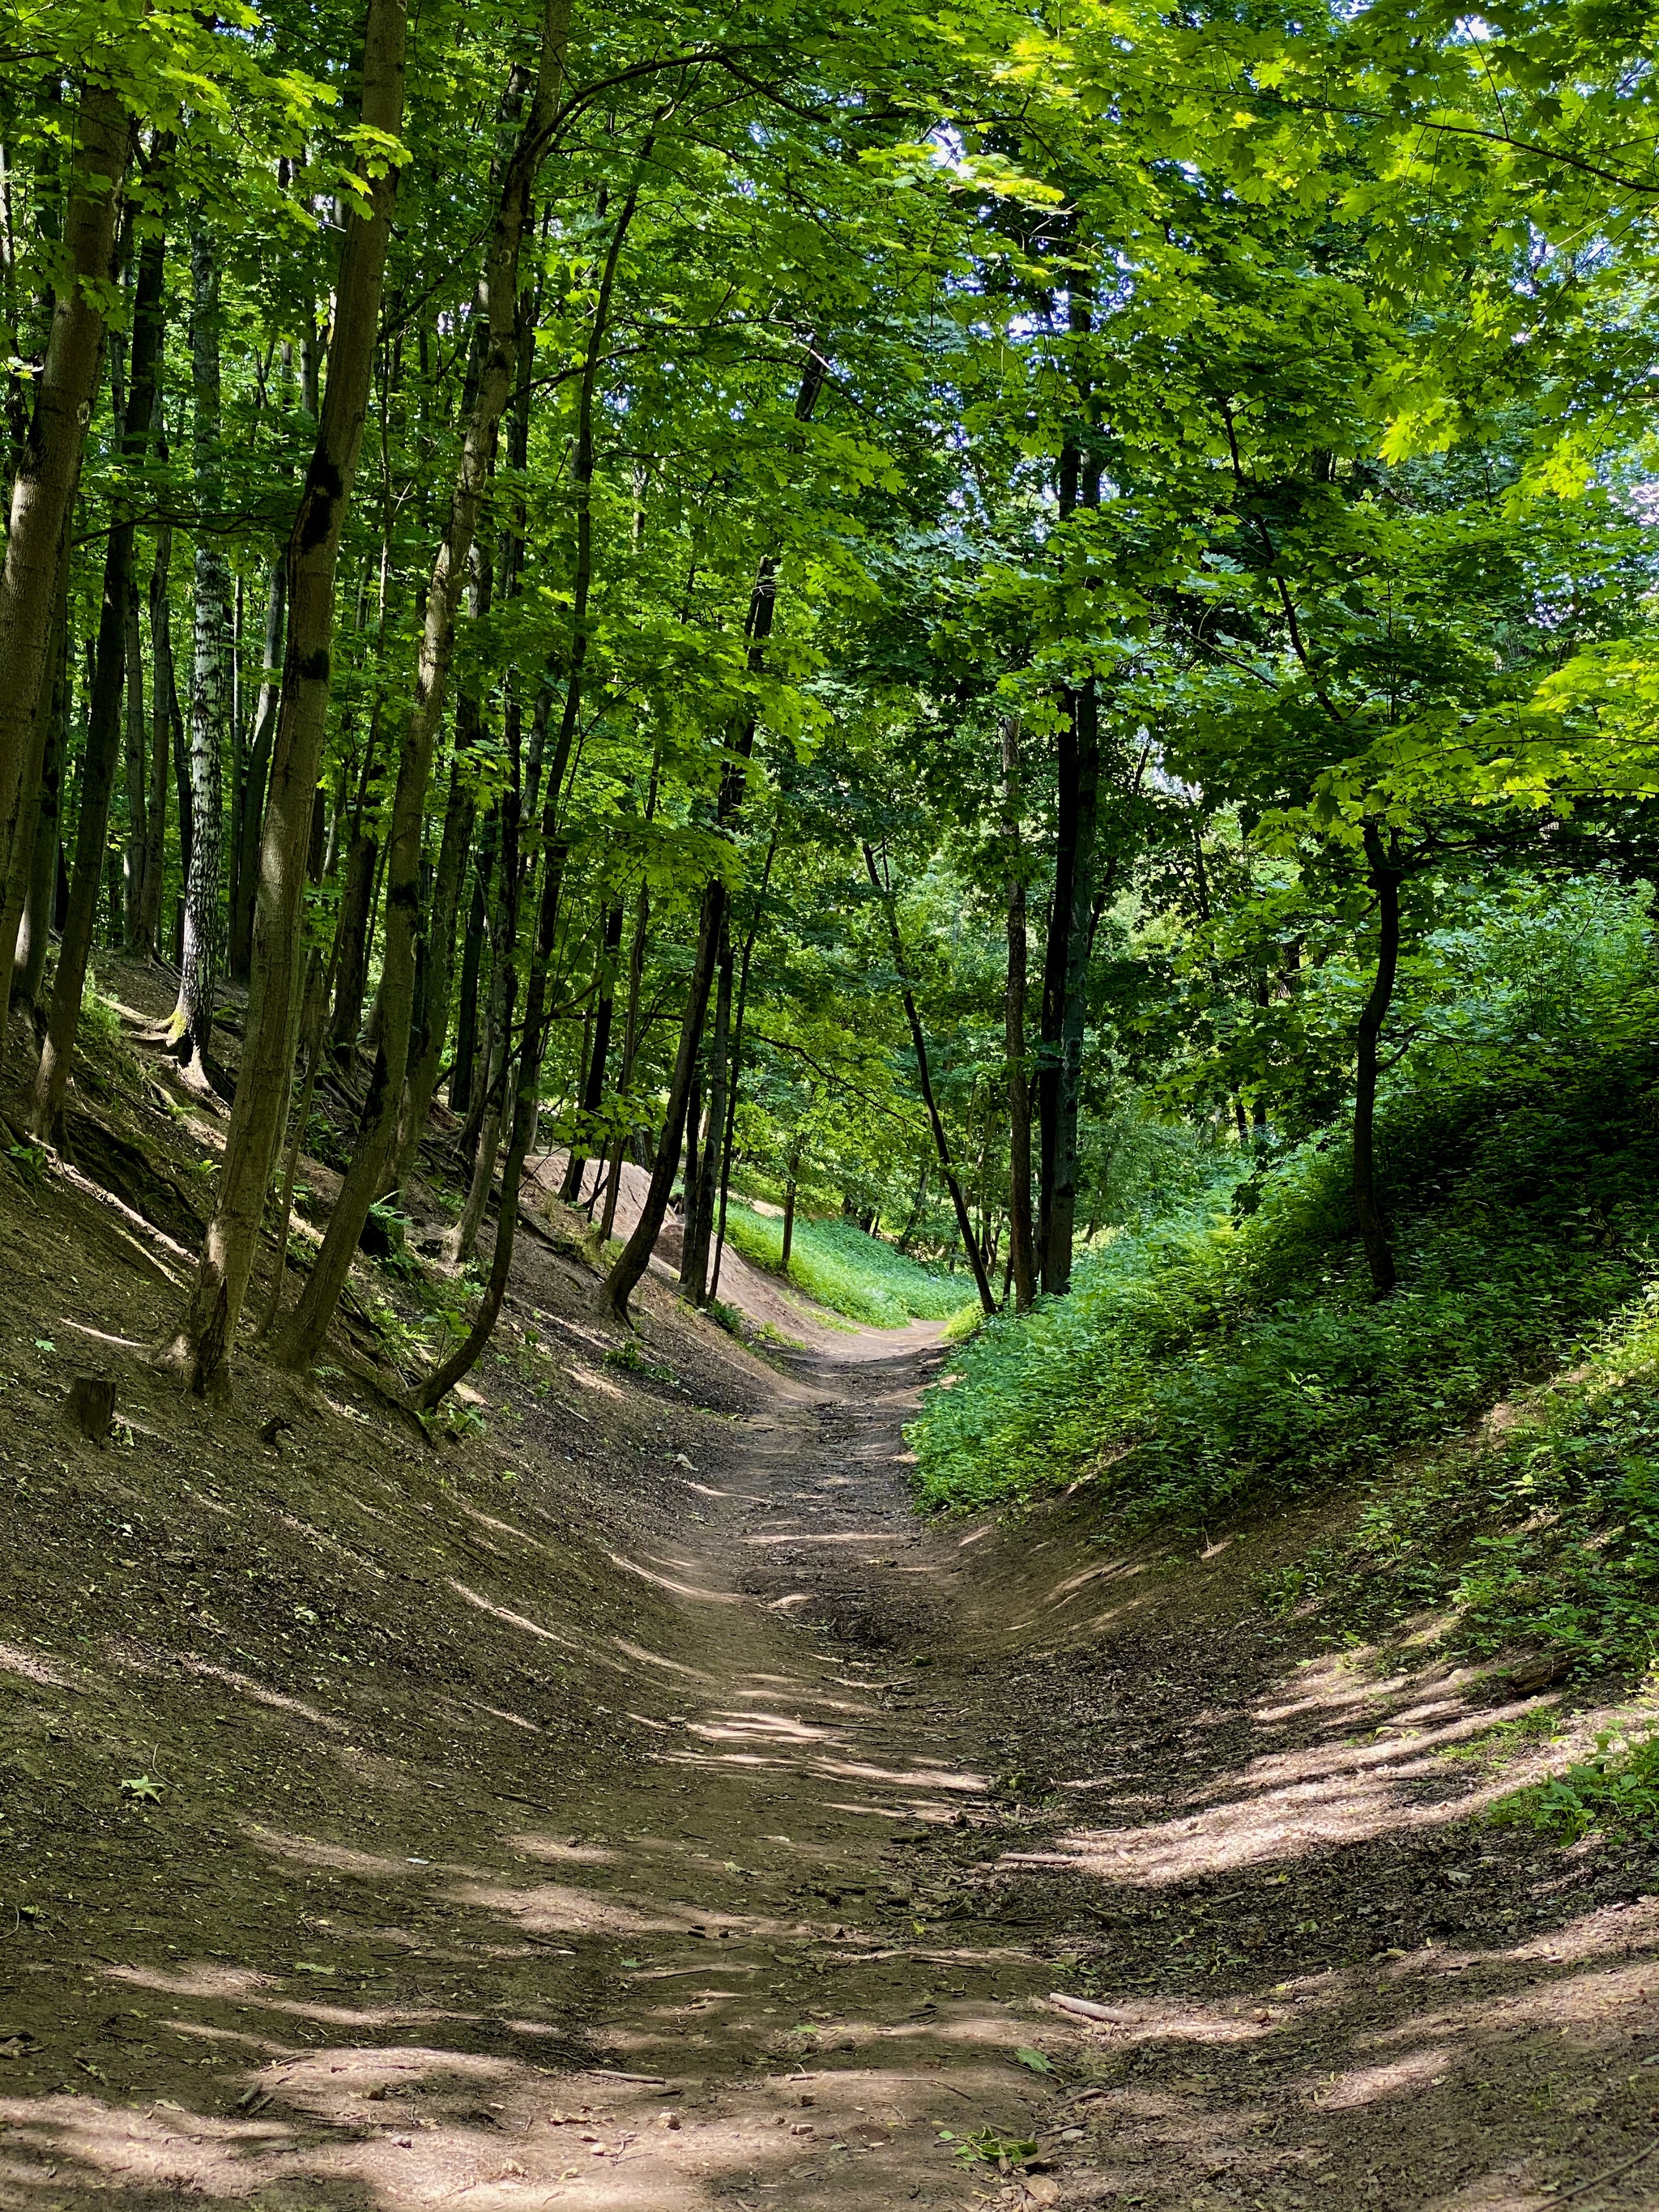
[[1616, 1790], [1548, 1533], [1234, 1356], [834, 1263]]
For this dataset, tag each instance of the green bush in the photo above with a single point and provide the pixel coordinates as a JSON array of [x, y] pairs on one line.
[[834, 1263]]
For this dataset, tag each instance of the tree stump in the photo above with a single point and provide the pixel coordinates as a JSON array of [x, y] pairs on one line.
[[90, 1406]]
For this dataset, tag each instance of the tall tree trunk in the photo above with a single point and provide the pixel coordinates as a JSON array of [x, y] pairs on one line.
[[1022, 1252], [210, 686], [313, 1014], [31, 806], [1076, 779], [790, 1181], [487, 1091], [631, 1040], [700, 1226], [49, 466], [598, 1052], [1063, 1151], [163, 704], [941, 1142], [362, 871], [750, 935], [690, 1181], [29, 963], [436, 966], [1382, 864], [466, 1035], [521, 1123], [204, 1340], [258, 768], [138, 779], [634, 1257], [364, 1178], [103, 746]]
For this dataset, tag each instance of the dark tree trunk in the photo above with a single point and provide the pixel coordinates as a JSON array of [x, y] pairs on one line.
[[941, 1142], [466, 1029], [104, 726], [31, 954], [789, 1211], [695, 1273], [632, 1261], [598, 1052], [163, 710], [206, 1337], [252, 811], [48, 468], [24, 919], [1022, 1252], [634, 1257], [137, 781], [351, 982], [1382, 864], [1061, 1143], [1065, 948], [728, 1141]]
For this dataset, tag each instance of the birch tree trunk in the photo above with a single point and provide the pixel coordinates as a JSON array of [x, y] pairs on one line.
[[203, 1345], [630, 1041], [209, 692], [163, 701], [437, 962]]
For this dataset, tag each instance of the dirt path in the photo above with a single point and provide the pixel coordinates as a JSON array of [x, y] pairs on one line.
[[783, 1950]]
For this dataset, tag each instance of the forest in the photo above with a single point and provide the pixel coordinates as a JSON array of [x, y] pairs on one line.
[[997, 668], [993, 626]]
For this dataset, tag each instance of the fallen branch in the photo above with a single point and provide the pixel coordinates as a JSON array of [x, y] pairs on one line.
[[1609, 2173], [1085, 2008]]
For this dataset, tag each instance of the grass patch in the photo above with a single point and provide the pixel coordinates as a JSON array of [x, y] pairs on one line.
[[840, 1267]]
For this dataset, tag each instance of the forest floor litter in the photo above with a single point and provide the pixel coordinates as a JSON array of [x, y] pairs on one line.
[[631, 1803]]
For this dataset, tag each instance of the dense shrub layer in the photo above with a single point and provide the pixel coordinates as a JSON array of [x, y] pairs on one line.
[[1237, 1351]]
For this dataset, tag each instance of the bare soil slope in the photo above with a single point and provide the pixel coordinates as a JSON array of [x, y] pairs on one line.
[[631, 1804]]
